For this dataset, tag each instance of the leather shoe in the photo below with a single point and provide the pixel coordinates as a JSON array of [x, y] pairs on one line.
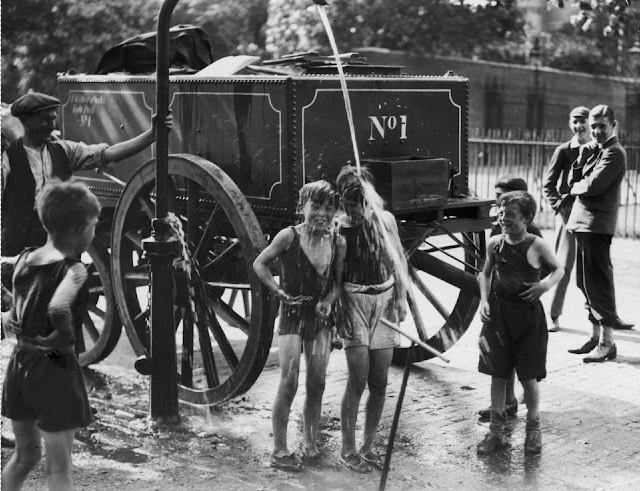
[[492, 442], [533, 442], [602, 353], [510, 409], [587, 347], [622, 325]]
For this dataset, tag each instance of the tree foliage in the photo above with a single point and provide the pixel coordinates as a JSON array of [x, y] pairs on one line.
[[422, 26], [41, 38], [233, 26], [602, 33]]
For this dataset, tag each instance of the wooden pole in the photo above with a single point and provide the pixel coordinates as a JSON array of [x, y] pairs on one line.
[[415, 340], [396, 418]]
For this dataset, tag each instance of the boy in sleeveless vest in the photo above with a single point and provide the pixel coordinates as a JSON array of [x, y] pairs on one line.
[[374, 287], [43, 392], [506, 184], [311, 258], [514, 333]]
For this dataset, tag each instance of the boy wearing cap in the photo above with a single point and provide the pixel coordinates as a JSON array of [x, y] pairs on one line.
[[556, 190], [29, 162]]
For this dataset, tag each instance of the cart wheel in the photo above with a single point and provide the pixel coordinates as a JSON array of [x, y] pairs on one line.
[[101, 327], [444, 270], [223, 345]]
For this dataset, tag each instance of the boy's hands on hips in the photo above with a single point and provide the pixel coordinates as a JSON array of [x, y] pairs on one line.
[[534, 292]]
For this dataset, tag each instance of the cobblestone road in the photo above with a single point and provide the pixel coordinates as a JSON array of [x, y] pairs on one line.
[[590, 416]]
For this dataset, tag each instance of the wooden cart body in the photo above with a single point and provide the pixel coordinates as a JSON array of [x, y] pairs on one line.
[[263, 137]]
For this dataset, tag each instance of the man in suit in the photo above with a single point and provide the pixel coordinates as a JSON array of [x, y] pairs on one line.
[[596, 181]]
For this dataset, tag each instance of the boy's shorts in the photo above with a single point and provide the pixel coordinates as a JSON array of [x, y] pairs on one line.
[[302, 320], [516, 337], [46, 388], [362, 312]]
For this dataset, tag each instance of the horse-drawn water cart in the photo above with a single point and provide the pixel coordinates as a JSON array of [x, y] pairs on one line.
[[240, 149]]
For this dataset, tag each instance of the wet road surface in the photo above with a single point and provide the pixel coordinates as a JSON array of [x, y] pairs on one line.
[[590, 424]]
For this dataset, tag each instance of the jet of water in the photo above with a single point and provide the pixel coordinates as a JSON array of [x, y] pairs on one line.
[[343, 82]]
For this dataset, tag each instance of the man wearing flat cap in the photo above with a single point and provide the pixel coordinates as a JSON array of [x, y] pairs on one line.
[[556, 190], [29, 162]]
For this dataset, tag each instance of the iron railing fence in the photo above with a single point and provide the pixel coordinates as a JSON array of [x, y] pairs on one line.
[[493, 153]]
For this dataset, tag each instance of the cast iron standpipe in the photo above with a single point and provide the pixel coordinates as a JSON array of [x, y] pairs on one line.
[[162, 248]]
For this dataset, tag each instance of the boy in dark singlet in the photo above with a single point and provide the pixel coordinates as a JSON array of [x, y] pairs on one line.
[[506, 184], [311, 258], [44, 393], [514, 334], [373, 287]]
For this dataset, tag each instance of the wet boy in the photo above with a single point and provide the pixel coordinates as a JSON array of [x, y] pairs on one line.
[[43, 392], [514, 334], [373, 288], [311, 258]]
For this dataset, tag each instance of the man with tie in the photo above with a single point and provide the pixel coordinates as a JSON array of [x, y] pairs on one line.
[[596, 182]]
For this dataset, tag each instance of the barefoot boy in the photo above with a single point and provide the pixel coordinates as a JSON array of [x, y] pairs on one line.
[[311, 258], [514, 334]]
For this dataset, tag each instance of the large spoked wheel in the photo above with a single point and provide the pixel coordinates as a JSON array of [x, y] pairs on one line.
[[101, 326], [445, 294], [222, 342]]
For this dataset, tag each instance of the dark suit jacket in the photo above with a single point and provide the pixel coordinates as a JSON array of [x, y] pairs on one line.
[[598, 191], [556, 183]]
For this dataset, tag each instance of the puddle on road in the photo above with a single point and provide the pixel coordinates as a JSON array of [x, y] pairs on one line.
[[124, 455]]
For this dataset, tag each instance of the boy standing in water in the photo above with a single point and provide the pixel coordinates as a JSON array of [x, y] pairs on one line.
[[44, 393], [374, 287], [514, 334], [311, 258]]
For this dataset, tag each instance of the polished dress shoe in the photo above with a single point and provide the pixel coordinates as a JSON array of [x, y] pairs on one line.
[[622, 325], [603, 353], [587, 347]]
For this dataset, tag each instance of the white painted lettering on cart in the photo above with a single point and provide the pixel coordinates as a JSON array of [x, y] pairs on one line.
[[383, 123]]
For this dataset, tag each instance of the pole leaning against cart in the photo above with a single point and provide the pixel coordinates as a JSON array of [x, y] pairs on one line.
[[241, 147]]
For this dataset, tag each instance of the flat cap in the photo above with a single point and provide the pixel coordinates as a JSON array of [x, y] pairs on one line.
[[32, 103], [579, 112], [509, 182]]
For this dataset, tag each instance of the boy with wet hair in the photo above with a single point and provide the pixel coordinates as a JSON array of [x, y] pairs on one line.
[[311, 258], [43, 392], [514, 334], [374, 286]]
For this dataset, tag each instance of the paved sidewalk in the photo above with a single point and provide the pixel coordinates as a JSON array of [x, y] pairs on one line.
[[590, 417]]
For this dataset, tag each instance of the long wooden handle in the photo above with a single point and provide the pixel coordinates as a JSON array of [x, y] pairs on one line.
[[419, 342]]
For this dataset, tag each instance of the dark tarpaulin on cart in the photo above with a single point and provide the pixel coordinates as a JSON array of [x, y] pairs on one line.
[[189, 48]]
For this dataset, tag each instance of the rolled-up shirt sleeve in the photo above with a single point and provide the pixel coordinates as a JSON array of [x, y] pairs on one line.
[[82, 156]]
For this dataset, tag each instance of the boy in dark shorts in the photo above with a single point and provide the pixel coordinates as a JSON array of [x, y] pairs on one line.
[[311, 257], [44, 393], [514, 334], [506, 184]]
